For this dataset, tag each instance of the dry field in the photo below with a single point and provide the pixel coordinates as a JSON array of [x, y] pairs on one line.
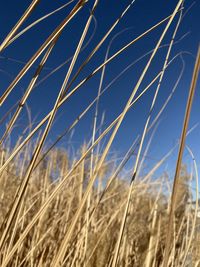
[[80, 209]]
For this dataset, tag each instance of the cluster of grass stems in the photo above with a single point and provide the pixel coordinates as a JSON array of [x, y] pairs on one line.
[[62, 211]]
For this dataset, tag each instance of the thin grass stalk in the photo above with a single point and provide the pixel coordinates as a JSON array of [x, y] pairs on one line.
[[26, 14], [140, 166], [85, 229], [8, 113], [172, 92], [196, 208], [157, 242], [36, 22], [180, 155], [14, 229], [152, 241]]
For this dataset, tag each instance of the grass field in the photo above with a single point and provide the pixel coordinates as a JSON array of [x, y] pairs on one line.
[[81, 209]]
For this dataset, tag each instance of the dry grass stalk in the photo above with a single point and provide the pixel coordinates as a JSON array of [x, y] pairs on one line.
[[180, 155]]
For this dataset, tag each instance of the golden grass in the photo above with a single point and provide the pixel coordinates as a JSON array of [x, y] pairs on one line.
[[57, 210], [145, 230]]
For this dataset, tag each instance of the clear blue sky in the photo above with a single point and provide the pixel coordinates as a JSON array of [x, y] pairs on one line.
[[142, 15]]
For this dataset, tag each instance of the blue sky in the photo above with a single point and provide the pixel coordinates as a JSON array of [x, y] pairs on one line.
[[142, 15]]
